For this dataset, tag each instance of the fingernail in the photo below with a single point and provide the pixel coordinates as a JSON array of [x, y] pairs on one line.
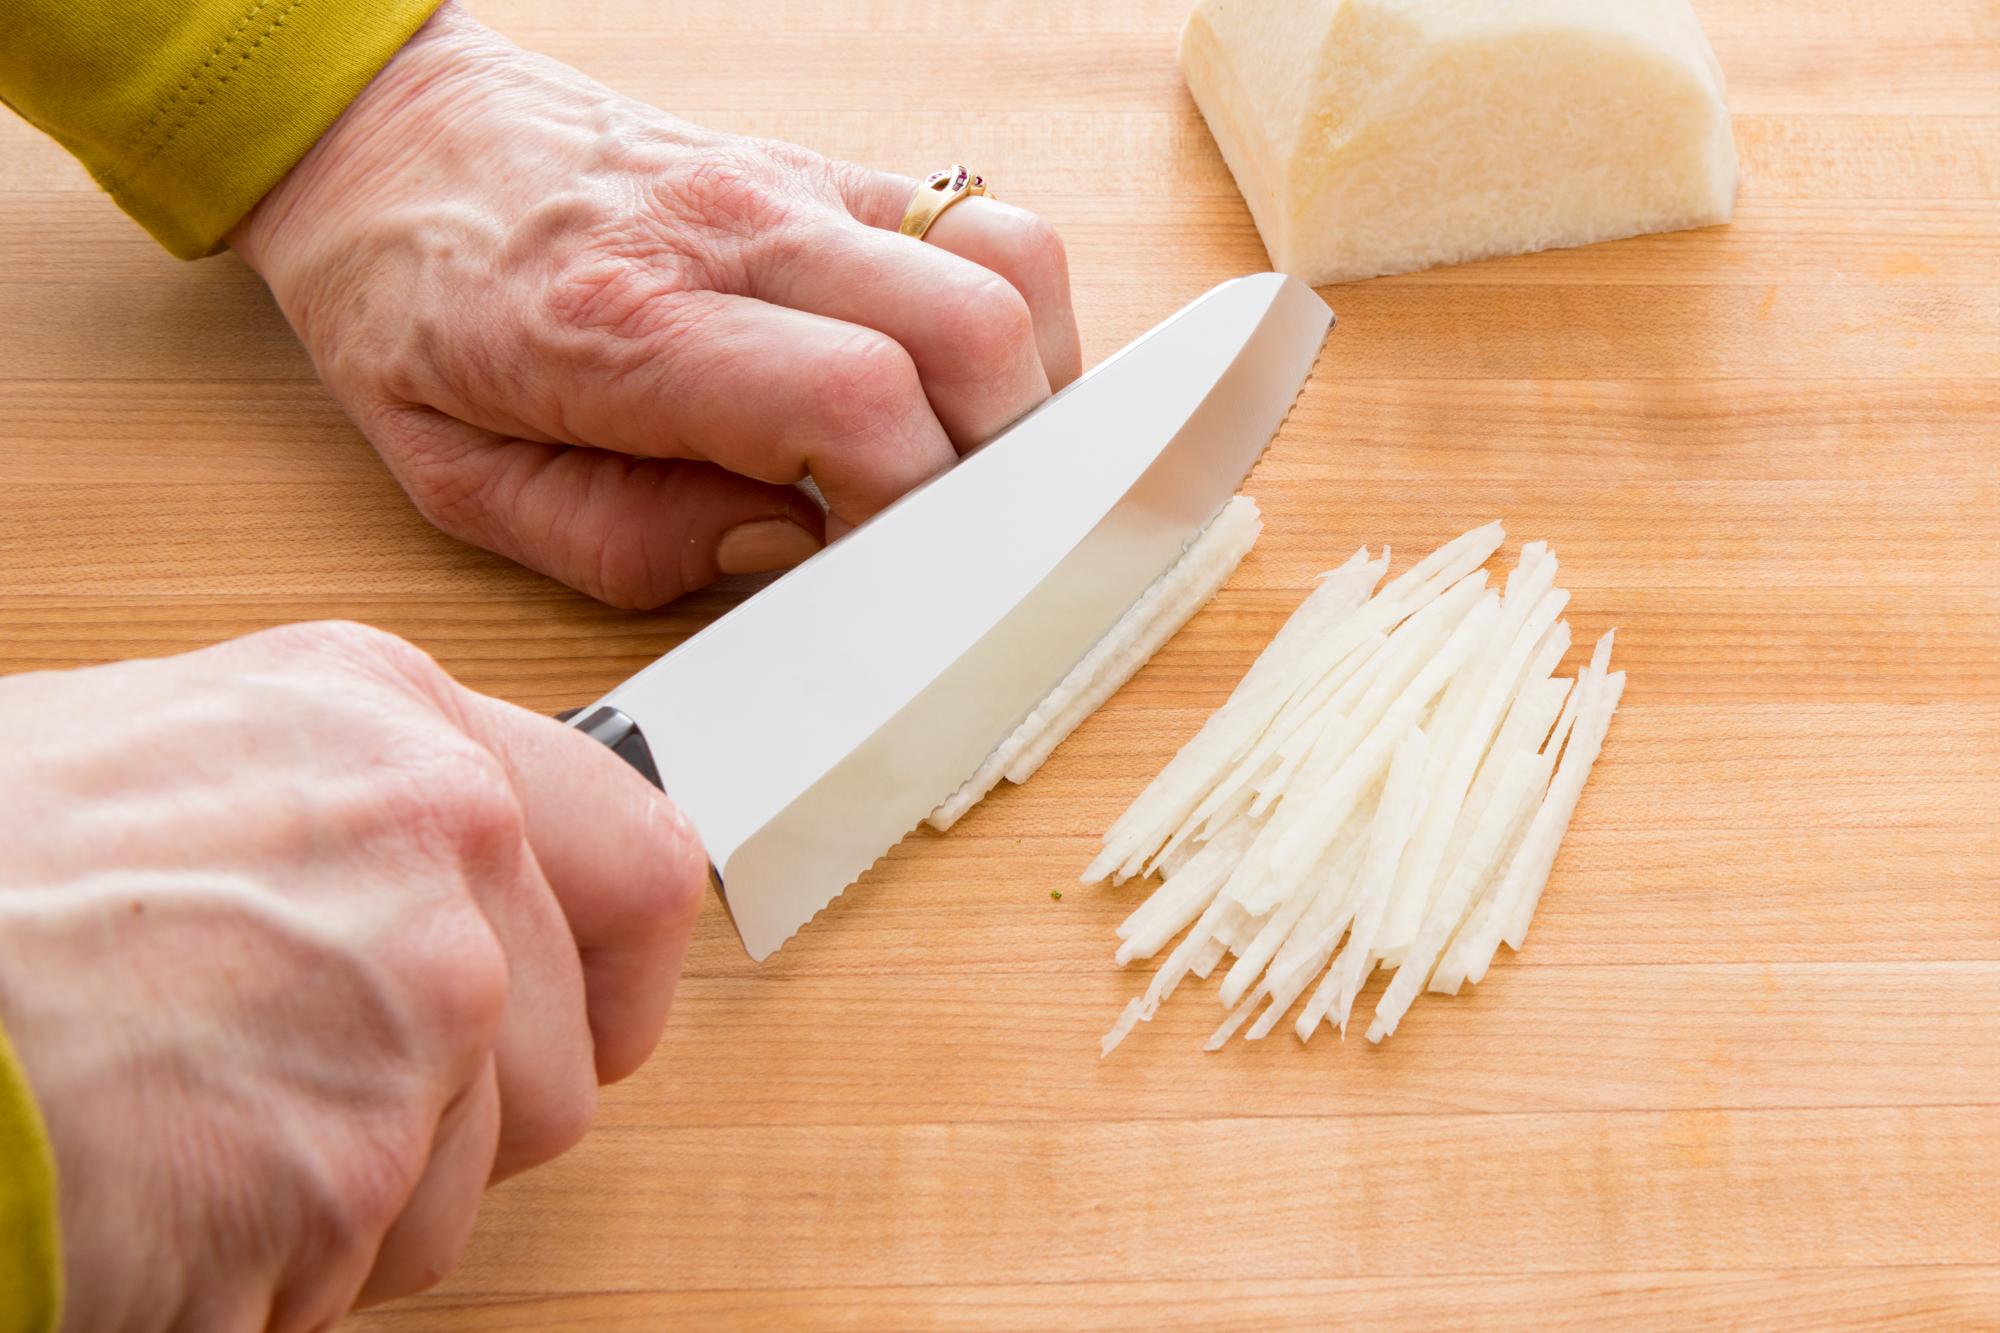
[[760, 547]]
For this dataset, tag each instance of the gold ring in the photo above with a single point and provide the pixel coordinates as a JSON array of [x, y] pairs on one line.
[[939, 191]]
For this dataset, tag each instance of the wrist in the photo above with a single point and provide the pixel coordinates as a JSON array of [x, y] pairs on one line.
[[360, 146]]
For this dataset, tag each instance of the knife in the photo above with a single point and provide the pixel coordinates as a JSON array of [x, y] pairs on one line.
[[809, 729]]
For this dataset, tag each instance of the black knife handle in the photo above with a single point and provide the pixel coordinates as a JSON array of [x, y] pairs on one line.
[[618, 734], [621, 735]]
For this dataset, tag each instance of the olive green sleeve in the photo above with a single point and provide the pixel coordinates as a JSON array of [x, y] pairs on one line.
[[189, 111], [30, 1249]]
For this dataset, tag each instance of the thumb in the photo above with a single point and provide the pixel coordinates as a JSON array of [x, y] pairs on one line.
[[634, 532]]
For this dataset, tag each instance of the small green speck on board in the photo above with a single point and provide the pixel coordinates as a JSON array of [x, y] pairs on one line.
[[1056, 894]]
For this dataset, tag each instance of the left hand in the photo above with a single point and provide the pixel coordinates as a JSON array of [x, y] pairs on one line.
[[605, 342]]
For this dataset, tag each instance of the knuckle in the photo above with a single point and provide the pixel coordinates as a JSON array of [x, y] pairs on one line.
[[795, 158], [460, 796], [450, 975], [461, 981], [445, 482], [726, 189], [990, 329], [456, 501], [867, 387], [359, 1196], [562, 1117], [321, 638], [439, 807], [352, 645], [628, 573], [1036, 257]]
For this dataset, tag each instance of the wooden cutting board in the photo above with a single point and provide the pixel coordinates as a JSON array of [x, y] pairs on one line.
[[1747, 1069]]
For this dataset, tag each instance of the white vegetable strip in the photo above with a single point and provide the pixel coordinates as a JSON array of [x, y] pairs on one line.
[[1536, 688], [1465, 947], [1289, 983], [1192, 947], [1282, 986], [1473, 950], [1515, 899], [1231, 729], [1519, 790], [1211, 954], [1244, 930], [1330, 912], [1331, 753], [1182, 589], [1129, 1017], [1396, 818], [1578, 757], [1527, 723], [1337, 706]]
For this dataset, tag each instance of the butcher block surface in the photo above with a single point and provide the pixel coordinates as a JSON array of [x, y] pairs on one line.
[[1747, 1069]]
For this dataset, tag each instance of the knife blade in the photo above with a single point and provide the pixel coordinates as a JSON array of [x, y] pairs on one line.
[[808, 730]]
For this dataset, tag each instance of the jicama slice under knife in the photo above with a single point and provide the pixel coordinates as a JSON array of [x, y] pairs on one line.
[[1395, 771], [1161, 610]]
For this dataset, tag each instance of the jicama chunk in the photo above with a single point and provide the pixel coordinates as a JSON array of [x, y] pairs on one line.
[[1385, 136], [1390, 779]]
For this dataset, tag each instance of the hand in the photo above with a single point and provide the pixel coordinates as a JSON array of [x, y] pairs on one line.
[[301, 944], [605, 342]]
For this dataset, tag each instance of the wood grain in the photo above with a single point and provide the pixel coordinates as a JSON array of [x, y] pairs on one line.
[[1746, 1071]]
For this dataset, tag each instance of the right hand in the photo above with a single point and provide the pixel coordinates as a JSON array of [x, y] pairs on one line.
[[301, 944]]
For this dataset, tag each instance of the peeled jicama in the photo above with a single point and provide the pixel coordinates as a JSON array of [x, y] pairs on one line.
[[1161, 610], [1414, 764], [1384, 136]]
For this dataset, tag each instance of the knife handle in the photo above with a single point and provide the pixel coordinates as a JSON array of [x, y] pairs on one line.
[[621, 735], [618, 734]]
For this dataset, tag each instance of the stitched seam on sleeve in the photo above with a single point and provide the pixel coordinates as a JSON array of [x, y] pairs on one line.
[[242, 59], [173, 99]]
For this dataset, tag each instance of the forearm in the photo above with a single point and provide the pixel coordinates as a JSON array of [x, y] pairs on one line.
[[189, 111]]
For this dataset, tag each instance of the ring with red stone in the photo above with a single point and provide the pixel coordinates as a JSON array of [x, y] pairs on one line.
[[939, 191]]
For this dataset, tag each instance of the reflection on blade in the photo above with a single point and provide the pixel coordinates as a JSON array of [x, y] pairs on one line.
[[809, 729]]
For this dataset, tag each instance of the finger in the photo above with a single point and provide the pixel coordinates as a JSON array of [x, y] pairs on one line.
[[427, 1239], [758, 389], [1018, 245], [623, 863], [545, 1051], [969, 332], [631, 532], [1026, 251]]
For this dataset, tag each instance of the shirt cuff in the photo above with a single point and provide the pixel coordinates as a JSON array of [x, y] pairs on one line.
[[251, 110], [30, 1237]]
